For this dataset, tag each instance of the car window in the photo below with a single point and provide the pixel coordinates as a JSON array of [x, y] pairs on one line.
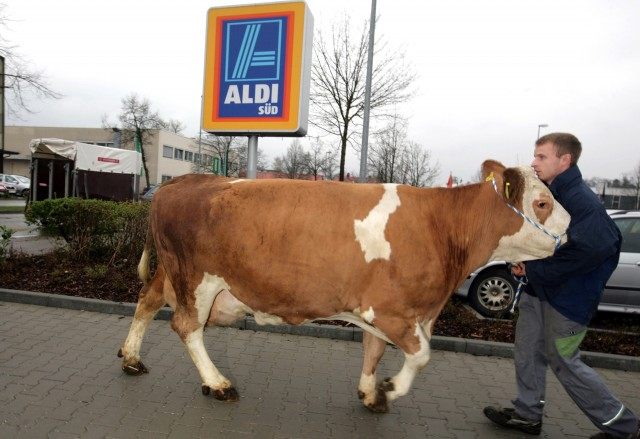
[[10, 179], [630, 229]]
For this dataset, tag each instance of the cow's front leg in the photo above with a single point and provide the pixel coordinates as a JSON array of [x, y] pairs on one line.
[[373, 348], [417, 353]]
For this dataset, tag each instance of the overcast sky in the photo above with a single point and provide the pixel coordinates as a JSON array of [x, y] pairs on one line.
[[489, 72]]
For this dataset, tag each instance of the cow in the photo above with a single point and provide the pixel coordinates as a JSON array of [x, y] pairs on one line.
[[385, 257]]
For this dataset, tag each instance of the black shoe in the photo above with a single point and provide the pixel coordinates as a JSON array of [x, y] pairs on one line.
[[509, 418], [603, 435]]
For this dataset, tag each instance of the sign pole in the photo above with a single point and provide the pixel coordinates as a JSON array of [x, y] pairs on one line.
[[252, 157], [367, 96], [1, 114]]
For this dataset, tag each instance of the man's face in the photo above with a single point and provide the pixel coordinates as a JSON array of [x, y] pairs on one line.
[[547, 164]]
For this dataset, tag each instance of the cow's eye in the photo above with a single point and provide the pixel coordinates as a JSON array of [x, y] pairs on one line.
[[542, 204]]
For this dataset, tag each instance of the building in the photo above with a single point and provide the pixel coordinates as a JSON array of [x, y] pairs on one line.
[[618, 197], [168, 155]]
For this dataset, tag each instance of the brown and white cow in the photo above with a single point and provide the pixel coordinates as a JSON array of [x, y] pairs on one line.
[[383, 256]]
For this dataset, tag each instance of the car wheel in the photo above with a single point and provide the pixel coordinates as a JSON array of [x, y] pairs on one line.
[[492, 292]]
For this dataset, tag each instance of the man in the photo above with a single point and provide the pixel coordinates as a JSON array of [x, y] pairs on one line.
[[561, 298]]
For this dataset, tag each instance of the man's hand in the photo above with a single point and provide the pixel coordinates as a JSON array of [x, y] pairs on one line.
[[518, 269]]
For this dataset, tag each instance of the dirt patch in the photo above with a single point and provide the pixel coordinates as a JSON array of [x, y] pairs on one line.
[[58, 274]]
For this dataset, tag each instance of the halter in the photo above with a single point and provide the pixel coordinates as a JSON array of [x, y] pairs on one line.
[[522, 280]]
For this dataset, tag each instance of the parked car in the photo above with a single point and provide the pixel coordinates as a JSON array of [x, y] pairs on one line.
[[16, 184], [491, 289], [3, 189]]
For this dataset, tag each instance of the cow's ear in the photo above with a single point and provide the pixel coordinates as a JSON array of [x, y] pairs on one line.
[[513, 187], [492, 169]]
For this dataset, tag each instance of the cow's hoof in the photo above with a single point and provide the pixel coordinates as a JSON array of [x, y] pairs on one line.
[[387, 385], [135, 369], [229, 394], [380, 403]]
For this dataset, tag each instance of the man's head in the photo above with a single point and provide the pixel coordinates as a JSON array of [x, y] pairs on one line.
[[554, 154]]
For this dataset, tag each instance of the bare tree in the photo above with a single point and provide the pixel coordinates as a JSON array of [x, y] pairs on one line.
[[222, 147], [137, 122], [418, 169], [21, 80], [634, 179], [385, 154], [338, 78], [317, 159], [174, 126], [293, 163], [232, 151], [329, 166]]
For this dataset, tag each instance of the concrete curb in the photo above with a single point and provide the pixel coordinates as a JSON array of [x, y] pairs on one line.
[[462, 345]]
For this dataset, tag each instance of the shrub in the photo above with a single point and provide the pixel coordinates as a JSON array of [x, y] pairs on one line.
[[93, 229], [5, 240]]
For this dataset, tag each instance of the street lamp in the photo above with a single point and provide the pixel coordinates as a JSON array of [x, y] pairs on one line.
[[542, 125]]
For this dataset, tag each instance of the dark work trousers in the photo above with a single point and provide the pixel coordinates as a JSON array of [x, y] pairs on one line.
[[544, 337]]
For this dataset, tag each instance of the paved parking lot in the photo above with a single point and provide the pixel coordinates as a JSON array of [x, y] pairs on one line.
[[60, 378]]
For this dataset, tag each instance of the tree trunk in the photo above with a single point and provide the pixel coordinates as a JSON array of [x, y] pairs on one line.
[[343, 149], [144, 158]]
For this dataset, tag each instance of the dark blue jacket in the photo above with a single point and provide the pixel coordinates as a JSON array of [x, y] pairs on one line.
[[573, 278]]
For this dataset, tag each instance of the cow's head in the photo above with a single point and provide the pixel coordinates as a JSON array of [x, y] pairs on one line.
[[523, 190]]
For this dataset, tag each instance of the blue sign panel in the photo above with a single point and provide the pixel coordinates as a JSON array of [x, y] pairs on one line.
[[253, 61]]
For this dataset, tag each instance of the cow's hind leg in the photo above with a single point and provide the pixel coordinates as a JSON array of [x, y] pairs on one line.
[[149, 303], [367, 391], [414, 341], [190, 327]]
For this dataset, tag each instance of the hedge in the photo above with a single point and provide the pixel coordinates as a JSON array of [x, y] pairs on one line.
[[95, 230]]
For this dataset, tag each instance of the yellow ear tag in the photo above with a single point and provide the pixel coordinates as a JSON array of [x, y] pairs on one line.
[[489, 177], [506, 189]]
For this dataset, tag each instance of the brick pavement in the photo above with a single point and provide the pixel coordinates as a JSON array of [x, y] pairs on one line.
[[60, 378]]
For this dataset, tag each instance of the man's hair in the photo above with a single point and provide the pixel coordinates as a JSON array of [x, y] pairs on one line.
[[564, 143]]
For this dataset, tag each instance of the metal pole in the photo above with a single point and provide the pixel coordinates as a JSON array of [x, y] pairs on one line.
[[199, 164], [252, 157], [367, 95], [542, 125], [50, 179], [66, 179], [1, 114], [34, 180], [225, 165]]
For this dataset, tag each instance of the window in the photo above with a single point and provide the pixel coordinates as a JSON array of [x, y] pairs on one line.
[[196, 158], [188, 156], [108, 144], [630, 230], [178, 154], [167, 151], [166, 177]]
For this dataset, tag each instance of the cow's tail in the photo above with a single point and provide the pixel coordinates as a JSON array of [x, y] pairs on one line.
[[143, 265]]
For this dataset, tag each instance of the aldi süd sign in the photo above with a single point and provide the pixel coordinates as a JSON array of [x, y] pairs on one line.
[[257, 69]]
